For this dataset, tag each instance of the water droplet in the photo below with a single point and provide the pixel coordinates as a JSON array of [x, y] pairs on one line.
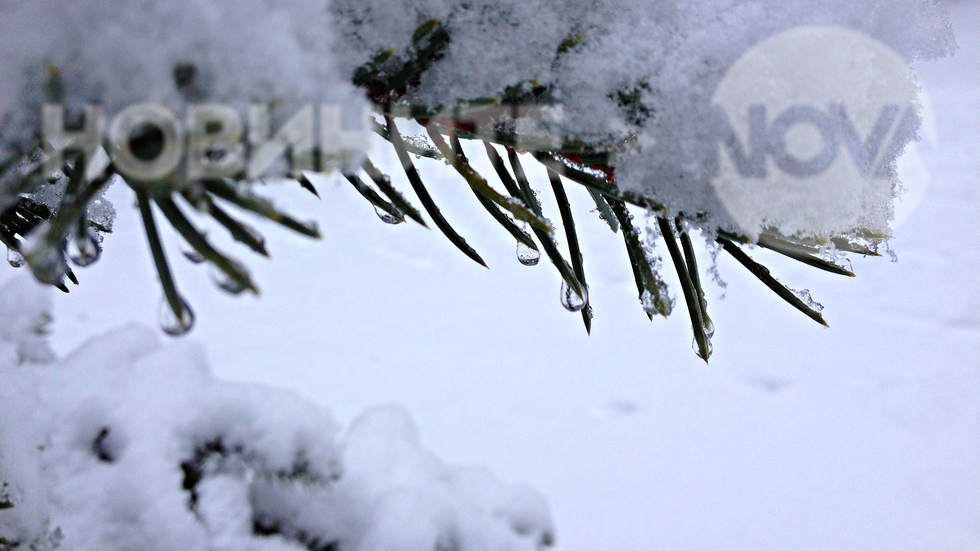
[[193, 256], [190, 253], [570, 300], [526, 255], [48, 264], [84, 250], [387, 218], [172, 324], [711, 349], [225, 282], [15, 258], [709, 327]]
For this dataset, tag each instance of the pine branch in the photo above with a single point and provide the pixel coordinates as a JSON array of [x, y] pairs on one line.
[[691, 293], [259, 206], [545, 238], [478, 183], [195, 239], [423, 194], [520, 235]]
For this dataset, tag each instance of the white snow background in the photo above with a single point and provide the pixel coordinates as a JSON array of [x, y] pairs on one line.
[[862, 436]]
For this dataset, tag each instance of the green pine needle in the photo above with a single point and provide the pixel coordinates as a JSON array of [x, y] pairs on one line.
[[801, 254], [426, 199], [397, 199], [238, 230], [692, 269], [373, 197], [526, 191], [605, 211], [170, 293], [230, 192], [594, 183], [523, 187], [647, 280], [382, 131], [480, 184], [519, 234], [763, 274], [575, 253], [196, 240], [691, 294]]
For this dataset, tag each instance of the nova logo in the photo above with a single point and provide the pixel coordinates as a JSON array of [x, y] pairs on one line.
[[872, 154], [811, 124]]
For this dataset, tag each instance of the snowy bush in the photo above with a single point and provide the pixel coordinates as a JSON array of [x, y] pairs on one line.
[[128, 444]]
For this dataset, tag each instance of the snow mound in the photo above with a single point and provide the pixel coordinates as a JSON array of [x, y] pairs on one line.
[[130, 444]]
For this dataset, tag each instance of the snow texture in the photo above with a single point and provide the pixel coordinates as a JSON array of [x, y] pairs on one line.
[[120, 54], [617, 68], [648, 69], [126, 444]]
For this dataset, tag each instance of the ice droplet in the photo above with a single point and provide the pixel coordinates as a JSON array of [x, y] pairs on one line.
[[387, 218], [173, 325], [193, 256], [804, 295], [15, 258], [191, 253], [225, 282], [48, 264], [570, 300], [711, 349], [709, 327], [526, 255], [84, 250]]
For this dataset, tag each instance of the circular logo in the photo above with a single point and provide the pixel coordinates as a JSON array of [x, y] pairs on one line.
[[813, 121]]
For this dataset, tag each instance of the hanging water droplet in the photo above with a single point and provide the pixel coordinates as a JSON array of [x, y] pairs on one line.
[[48, 264], [570, 300], [387, 218], [15, 258], [173, 325], [84, 250], [526, 255], [190, 253], [697, 350], [709, 327], [225, 282]]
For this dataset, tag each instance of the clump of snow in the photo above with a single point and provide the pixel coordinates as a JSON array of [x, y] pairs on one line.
[[128, 444], [678, 49], [637, 75], [167, 52], [648, 69]]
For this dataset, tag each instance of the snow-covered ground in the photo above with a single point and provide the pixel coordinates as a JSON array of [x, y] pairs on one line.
[[862, 436]]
